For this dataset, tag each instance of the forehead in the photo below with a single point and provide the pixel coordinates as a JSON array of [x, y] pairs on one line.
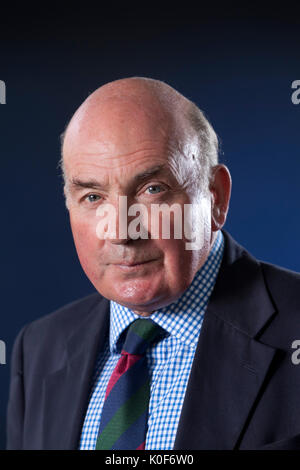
[[91, 170], [119, 136], [118, 124]]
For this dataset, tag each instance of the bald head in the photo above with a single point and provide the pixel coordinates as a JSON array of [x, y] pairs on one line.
[[151, 95], [123, 107]]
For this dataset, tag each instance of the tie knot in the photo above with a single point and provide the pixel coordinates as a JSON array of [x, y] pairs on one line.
[[140, 335]]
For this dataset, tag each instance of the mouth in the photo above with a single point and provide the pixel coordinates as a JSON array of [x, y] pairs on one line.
[[133, 266]]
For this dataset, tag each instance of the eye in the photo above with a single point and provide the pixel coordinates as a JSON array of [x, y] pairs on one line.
[[92, 198], [155, 188]]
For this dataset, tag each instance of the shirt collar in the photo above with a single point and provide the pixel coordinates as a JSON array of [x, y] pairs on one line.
[[183, 318]]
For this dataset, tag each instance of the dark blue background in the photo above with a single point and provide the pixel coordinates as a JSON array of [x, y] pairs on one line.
[[237, 65]]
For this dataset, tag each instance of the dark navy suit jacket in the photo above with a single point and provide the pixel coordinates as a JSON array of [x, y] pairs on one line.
[[243, 391]]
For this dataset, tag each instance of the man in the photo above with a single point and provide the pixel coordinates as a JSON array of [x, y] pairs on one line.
[[222, 375]]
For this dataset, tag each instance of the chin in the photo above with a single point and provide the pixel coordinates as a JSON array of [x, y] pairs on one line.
[[138, 295], [138, 301]]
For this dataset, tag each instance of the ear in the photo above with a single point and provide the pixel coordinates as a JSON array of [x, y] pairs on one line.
[[220, 189]]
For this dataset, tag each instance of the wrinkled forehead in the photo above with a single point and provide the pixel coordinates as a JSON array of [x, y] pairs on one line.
[[120, 124], [117, 123], [122, 132]]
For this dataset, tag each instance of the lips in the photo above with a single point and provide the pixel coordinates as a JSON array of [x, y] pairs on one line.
[[133, 266], [132, 263]]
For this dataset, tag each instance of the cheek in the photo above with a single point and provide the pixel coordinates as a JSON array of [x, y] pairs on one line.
[[86, 242], [179, 266], [181, 262]]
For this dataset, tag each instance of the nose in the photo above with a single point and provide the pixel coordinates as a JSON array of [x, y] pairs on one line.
[[116, 216], [120, 235]]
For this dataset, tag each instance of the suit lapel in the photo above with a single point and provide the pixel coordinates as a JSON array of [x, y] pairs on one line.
[[66, 391], [230, 364]]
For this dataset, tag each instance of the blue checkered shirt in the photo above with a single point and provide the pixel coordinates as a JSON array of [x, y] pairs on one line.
[[170, 360]]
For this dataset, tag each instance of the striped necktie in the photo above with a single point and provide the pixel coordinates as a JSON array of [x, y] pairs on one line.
[[125, 410]]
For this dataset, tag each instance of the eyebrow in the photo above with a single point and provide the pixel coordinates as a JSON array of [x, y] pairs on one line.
[[150, 172], [78, 184]]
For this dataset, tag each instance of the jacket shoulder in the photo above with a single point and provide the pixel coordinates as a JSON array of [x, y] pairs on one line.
[[41, 344], [284, 289], [71, 312], [283, 283], [61, 322]]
